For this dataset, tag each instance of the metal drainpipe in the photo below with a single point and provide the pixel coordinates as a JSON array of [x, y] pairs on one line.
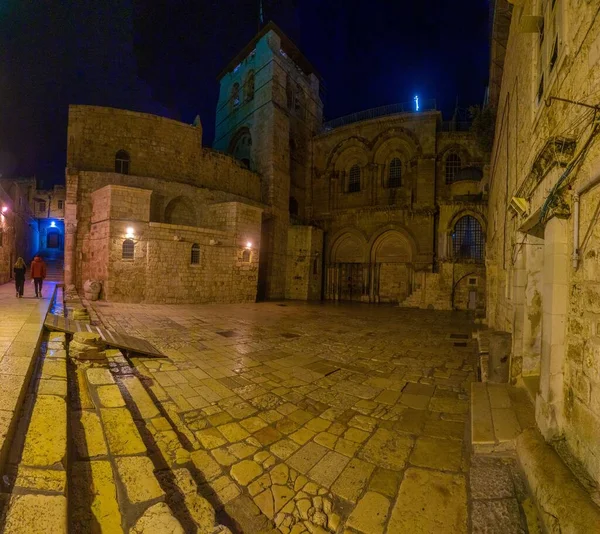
[[582, 189]]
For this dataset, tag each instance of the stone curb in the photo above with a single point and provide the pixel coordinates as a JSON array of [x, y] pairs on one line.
[[39, 502], [16, 386], [563, 503]]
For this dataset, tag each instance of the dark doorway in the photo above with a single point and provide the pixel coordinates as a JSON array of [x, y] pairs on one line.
[[53, 239], [263, 262]]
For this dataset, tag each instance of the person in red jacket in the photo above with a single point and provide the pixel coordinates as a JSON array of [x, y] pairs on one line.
[[38, 273]]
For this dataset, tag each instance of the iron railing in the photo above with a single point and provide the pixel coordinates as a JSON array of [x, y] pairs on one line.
[[373, 113]]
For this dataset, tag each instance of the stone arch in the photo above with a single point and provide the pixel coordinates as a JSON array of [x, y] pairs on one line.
[[391, 246], [348, 246], [181, 211], [400, 140], [240, 146], [392, 229], [464, 212], [351, 145]]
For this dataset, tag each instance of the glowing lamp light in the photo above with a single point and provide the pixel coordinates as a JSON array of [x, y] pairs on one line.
[[249, 244], [416, 99], [52, 224], [4, 209], [129, 232]]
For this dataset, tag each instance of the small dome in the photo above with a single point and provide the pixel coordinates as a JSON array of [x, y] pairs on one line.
[[468, 174]]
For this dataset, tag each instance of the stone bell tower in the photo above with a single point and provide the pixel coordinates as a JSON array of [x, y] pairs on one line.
[[269, 109]]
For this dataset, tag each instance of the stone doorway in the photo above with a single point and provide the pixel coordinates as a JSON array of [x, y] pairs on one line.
[[53, 239]]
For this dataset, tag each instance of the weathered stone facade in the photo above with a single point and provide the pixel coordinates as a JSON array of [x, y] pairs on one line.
[[387, 209], [543, 240], [190, 215], [19, 233]]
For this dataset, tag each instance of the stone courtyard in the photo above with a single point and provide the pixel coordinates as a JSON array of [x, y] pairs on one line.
[[313, 418]]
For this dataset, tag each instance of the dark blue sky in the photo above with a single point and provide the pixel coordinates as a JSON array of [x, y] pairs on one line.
[[163, 57]]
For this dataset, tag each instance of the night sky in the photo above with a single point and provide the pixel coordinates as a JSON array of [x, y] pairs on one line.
[[163, 57]]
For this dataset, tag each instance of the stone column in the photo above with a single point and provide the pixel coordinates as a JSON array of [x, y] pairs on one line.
[[519, 274], [549, 401]]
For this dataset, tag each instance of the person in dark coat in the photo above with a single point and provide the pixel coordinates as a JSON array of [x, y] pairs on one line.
[[38, 273], [19, 270]]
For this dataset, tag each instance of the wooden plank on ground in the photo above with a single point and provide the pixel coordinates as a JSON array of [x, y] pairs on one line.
[[112, 339]]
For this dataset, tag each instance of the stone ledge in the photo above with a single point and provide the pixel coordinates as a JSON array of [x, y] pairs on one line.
[[563, 503]]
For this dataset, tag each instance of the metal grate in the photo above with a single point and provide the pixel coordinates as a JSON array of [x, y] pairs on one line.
[[354, 179], [467, 240], [453, 164], [128, 249], [195, 254], [395, 178]]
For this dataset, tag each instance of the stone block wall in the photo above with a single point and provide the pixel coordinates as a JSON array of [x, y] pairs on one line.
[[162, 269], [304, 263], [534, 290]]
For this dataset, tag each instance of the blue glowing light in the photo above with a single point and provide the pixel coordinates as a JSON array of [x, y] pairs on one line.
[[416, 99], [53, 224]]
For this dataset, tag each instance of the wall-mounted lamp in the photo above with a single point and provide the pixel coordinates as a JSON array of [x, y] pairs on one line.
[[249, 244], [4, 209], [52, 224], [129, 233]]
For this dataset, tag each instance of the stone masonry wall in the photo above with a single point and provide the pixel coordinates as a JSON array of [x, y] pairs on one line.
[[534, 291], [304, 263], [161, 270], [158, 148]]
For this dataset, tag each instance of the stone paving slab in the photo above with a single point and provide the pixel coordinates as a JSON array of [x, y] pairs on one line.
[[355, 421], [21, 325]]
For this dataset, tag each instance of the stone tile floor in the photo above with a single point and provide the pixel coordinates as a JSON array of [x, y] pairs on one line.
[[328, 418]]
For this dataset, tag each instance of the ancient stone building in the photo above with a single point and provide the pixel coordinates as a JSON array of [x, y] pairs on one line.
[[382, 206], [19, 233], [543, 241]]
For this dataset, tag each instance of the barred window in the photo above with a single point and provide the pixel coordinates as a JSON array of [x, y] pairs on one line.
[[453, 165], [354, 179], [395, 177], [122, 161], [467, 240], [195, 254], [128, 249], [246, 256]]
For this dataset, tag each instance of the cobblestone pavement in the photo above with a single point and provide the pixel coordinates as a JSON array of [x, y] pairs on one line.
[[326, 418]]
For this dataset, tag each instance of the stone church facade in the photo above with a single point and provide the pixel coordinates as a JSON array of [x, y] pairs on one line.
[[383, 206], [543, 245]]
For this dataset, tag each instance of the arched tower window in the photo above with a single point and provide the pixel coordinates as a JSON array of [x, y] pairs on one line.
[[235, 95], [128, 251], [453, 165], [293, 206], [246, 256], [354, 179], [467, 239], [249, 87], [241, 147], [122, 161], [195, 259], [395, 173]]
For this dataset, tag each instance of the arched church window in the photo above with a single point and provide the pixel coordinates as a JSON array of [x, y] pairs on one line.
[[354, 179], [246, 256], [122, 161], [453, 165], [249, 87], [395, 173], [195, 260], [128, 251], [293, 206], [235, 95], [467, 239]]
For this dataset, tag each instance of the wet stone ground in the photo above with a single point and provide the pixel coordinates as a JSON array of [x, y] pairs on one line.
[[326, 418]]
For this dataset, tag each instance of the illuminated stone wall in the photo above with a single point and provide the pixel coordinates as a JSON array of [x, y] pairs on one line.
[[534, 291]]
